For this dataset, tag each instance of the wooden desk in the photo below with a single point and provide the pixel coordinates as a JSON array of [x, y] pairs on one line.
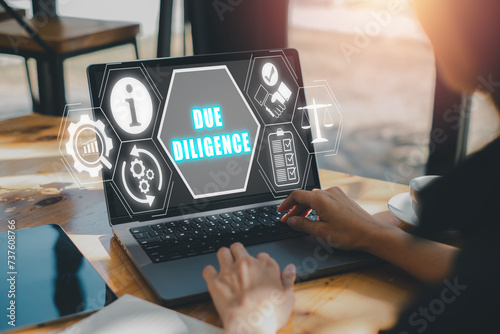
[[36, 189]]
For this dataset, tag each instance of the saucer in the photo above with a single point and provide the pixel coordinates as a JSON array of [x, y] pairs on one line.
[[400, 206]]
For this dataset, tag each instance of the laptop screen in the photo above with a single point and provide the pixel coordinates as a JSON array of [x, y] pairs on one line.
[[201, 133]]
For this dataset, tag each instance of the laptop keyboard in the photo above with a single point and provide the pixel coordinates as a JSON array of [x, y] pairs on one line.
[[203, 235]]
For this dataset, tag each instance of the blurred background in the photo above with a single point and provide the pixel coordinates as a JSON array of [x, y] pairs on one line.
[[384, 81]]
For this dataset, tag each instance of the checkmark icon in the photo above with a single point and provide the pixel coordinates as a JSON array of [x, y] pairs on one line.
[[269, 77], [270, 74], [292, 175], [289, 159], [287, 143]]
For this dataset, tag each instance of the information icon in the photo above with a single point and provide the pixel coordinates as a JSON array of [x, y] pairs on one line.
[[131, 105]]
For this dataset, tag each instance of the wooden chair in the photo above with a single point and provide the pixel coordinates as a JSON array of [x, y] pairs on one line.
[[50, 39]]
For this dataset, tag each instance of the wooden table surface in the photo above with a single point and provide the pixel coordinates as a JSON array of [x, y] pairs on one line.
[[36, 189]]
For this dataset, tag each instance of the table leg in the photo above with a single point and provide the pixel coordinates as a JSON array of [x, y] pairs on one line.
[[165, 28], [52, 95]]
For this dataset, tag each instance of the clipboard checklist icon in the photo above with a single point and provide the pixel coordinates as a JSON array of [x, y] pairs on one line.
[[283, 158]]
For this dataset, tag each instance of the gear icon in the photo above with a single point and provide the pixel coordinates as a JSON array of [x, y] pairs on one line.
[[150, 174], [132, 169], [85, 123], [144, 186]]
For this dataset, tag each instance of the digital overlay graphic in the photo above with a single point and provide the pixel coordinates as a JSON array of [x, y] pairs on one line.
[[205, 130]]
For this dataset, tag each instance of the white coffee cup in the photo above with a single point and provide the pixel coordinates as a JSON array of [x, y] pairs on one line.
[[416, 186]]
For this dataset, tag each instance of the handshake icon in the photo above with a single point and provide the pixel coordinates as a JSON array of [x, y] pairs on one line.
[[275, 103]]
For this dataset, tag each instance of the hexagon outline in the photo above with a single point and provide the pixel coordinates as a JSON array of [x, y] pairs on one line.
[[151, 85], [250, 72], [162, 122], [123, 198]]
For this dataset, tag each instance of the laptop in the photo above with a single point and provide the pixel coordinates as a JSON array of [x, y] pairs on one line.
[[197, 154]]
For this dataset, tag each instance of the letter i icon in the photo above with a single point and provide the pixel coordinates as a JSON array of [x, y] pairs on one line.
[[131, 103]]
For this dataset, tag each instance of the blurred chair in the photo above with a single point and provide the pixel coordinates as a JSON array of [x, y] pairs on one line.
[[226, 26], [50, 39]]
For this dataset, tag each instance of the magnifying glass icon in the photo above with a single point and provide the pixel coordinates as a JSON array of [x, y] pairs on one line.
[[105, 161]]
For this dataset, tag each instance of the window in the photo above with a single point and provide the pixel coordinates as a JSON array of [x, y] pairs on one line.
[[380, 66]]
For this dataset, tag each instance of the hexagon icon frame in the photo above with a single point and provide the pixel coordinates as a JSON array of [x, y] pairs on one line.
[[166, 148], [291, 72], [103, 92]]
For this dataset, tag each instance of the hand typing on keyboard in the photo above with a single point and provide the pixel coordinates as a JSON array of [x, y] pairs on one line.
[[342, 222]]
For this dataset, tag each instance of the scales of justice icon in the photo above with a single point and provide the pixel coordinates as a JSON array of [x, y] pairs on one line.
[[327, 123]]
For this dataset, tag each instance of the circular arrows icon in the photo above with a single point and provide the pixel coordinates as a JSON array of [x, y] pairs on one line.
[[136, 152], [149, 199]]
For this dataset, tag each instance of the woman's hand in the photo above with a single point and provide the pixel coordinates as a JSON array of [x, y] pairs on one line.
[[249, 293], [342, 223]]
